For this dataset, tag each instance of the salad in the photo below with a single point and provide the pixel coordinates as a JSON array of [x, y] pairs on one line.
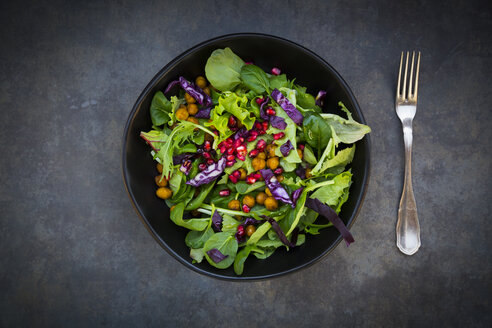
[[249, 163]]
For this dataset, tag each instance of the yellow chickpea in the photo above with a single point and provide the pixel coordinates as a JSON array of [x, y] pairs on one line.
[[201, 82], [268, 192], [250, 229], [260, 198], [273, 162], [207, 91], [308, 173], [249, 200], [192, 109], [159, 182], [271, 204], [280, 178], [258, 163], [189, 99], [300, 153], [261, 155], [182, 114], [234, 205], [193, 120], [243, 174], [164, 193], [159, 167], [271, 150]]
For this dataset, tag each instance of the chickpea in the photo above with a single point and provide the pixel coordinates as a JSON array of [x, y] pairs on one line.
[[261, 155], [243, 174], [271, 150], [260, 198], [250, 229], [159, 182], [182, 114], [159, 167], [268, 192], [189, 99], [300, 153], [249, 200], [258, 163], [164, 193], [234, 205], [308, 173], [201, 82], [193, 120], [271, 203], [280, 178], [207, 91], [192, 109], [273, 162]]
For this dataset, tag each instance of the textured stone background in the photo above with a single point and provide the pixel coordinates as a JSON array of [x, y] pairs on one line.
[[72, 249]]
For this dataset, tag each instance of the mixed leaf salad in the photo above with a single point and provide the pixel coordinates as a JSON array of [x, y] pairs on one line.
[[249, 162]]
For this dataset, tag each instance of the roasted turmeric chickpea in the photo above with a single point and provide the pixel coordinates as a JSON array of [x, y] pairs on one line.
[[273, 162], [300, 153], [261, 155], [308, 173], [207, 91], [201, 82], [243, 174], [163, 193], [192, 109], [250, 229], [271, 150], [268, 192], [159, 182], [189, 99], [193, 120], [258, 163], [234, 205], [280, 178], [271, 203], [249, 200], [159, 167], [182, 114], [260, 198]]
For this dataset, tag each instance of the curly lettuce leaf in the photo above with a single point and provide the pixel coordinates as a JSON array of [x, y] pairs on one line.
[[223, 69], [336, 194]]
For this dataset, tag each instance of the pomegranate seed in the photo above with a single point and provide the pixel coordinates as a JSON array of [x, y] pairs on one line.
[[258, 126], [228, 142], [241, 157], [278, 170], [249, 63], [230, 163], [237, 143], [210, 161], [279, 135], [253, 137], [230, 157], [241, 149], [240, 229], [246, 209], [237, 174], [264, 125], [270, 111], [300, 146], [230, 151], [250, 179], [275, 71], [206, 155], [222, 149], [254, 153], [259, 101], [225, 192], [207, 145], [232, 121], [202, 166], [257, 176], [262, 132], [233, 178], [261, 145]]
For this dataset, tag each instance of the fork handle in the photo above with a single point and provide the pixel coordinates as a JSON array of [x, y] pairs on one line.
[[407, 227]]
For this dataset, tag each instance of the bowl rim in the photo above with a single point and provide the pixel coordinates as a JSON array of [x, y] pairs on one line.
[[155, 235]]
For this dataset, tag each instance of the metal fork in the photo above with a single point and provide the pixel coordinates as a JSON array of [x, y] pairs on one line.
[[407, 227]]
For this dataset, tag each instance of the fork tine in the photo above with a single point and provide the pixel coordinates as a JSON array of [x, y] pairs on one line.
[[417, 77], [410, 94], [399, 77], [404, 92]]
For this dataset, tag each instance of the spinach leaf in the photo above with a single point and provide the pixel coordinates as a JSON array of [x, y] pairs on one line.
[[255, 78], [223, 69], [187, 148], [229, 224], [243, 188], [226, 244], [196, 239], [306, 100], [316, 131], [198, 200], [241, 257], [160, 109], [191, 224], [279, 81]]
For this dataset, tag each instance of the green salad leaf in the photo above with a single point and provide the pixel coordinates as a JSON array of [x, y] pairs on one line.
[[160, 109], [255, 79], [348, 130], [336, 194], [223, 69], [191, 224], [226, 244]]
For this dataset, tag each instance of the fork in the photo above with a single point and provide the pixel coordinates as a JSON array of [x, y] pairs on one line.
[[407, 227]]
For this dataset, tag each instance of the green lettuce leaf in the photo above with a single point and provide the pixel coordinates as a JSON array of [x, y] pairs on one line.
[[226, 244], [160, 109], [255, 79], [336, 194], [191, 224], [348, 130], [223, 69]]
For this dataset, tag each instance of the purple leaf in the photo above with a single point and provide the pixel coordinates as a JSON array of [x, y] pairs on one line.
[[171, 85], [286, 148], [278, 122], [185, 167], [263, 115], [301, 172], [217, 222], [287, 106], [216, 255], [331, 215], [278, 192], [198, 94], [211, 173], [320, 98], [204, 112], [241, 133], [179, 159], [280, 233], [252, 221], [296, 194]]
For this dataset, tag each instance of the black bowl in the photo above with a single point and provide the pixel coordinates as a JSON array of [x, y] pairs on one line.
[[266, 51]]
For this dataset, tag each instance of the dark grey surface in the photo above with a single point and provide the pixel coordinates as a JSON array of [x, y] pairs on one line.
[[73, 251]]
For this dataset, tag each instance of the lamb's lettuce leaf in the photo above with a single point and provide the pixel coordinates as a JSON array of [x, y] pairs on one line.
[[223, 69]]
